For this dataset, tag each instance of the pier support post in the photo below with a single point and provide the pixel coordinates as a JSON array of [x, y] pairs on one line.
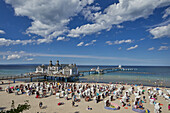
[[14, 80], [89, 72], [31, 79], [45, 77], [65, 79]]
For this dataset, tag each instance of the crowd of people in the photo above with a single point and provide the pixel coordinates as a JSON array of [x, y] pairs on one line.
[[95, 92]]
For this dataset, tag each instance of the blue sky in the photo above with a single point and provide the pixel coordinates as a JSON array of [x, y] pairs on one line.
[[94, 32]]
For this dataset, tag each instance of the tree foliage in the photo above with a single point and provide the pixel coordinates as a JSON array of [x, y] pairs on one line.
[[20, 108]]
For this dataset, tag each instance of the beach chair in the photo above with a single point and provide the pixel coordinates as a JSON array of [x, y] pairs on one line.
[[57, 95]]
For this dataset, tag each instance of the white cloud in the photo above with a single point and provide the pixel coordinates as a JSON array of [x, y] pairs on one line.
[[44, 40], [125, 10], [133, 47], [60, 38], [119, 48], [30, 59], [142, 39], [76, 56], [167, 13], [80, 44], [4, 57], [63, 39], [91, 43], [109, 42], [2, 32], [119, 42], [119, 26], [163, 48], [123, 41], [164, 43], [7, 42], [150, 49], [13, 57], [90, 12], [49, 18], [159, 32]]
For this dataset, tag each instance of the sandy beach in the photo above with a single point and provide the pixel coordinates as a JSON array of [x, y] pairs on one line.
[[50, 103]]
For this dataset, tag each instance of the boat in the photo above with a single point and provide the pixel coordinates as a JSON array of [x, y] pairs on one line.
[[93, 69]]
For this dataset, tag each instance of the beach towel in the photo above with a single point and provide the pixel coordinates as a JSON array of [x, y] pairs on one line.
[[110, 108], [139, 110]]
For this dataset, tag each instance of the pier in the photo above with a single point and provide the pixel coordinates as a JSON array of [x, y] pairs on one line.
[[61, 76], [104, 70], [35, 75]]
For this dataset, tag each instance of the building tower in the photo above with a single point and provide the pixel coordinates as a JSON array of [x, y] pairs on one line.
[[50, 64]]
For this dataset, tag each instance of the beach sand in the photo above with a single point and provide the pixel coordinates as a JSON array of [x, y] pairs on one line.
[[50, 103]]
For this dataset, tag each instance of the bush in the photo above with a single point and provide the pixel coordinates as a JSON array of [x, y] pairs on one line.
[[20, 107]]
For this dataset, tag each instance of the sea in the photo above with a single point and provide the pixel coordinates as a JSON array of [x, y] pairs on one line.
[[146, 75]]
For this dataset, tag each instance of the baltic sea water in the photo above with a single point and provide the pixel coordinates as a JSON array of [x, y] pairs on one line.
[[146, 75]]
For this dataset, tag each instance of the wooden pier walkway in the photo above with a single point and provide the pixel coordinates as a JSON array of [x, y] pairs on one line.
[[65, 77], [34, 75]]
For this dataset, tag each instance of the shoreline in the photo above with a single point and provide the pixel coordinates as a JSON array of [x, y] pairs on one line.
[[18, 81]]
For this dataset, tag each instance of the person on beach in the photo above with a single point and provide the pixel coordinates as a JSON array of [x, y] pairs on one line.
[[144, 99], [73, 103], [88, 108], [37, 94], [40, 105]]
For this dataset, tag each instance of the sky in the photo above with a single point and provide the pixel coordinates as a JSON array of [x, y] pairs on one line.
[[85, 32]]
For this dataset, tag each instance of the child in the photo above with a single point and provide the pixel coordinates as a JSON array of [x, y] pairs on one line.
[[88, 108]]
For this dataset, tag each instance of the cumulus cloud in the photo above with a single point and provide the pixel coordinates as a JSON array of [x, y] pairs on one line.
[[30, 59], [80, 44], [63, 39], [119, 42], [123, 41], [125, 10], [109, 42], [167, 13], [7, 42], [159, 32], [142, 39], [163, 48], [90, 13], [90, 43], [4, 57], [2, 32], [133, 47], [119, 48], [13, 57], [119, 26], [150, 49], [60, 38], [49, 18]]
